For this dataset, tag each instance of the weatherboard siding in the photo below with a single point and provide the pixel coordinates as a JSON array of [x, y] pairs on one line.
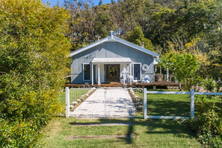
[[109, 50]]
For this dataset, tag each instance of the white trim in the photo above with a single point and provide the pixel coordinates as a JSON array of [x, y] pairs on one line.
[[206, 93], [140, 70], [166, 117], [167, 92], [111, 60], [117, 40], [89, 72]]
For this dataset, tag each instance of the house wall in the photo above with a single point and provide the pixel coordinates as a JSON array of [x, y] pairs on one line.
[[109, 50]]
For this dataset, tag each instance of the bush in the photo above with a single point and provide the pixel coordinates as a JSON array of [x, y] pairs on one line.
[[207, 124], [33, 53]]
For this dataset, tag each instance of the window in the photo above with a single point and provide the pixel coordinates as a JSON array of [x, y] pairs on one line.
[[136, 71], [86, 72]]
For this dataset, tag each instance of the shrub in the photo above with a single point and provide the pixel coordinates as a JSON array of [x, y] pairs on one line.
[[207, 124], [33, 53]]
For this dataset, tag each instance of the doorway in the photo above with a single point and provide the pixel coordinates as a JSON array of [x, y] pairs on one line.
[[112, 72]]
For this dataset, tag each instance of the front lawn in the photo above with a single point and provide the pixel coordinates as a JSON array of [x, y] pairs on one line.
[[148, 133]]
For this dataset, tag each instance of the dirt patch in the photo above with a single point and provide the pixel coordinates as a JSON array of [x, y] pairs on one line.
[[99, 137]]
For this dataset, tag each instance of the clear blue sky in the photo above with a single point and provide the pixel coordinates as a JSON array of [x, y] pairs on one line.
[[54, 2]]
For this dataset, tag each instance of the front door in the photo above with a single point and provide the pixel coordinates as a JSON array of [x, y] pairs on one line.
[[112, 73]]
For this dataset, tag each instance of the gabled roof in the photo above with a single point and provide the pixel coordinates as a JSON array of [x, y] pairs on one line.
[[114, 38]]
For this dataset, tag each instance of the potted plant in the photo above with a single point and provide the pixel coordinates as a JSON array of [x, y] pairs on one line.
[[159, 77]]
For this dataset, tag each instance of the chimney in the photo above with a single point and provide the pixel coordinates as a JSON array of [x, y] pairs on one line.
[[142, 44]]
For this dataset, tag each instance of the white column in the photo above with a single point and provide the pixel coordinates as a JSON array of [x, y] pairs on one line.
[[96, 74], [99, 82], [92, 73], [130, 69], [160, 69], [127, 73], [124, 73]]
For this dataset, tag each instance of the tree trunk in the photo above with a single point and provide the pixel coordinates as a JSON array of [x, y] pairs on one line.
[[180, 86]]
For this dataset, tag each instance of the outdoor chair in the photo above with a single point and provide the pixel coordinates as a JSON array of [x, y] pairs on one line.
[[146, 79]]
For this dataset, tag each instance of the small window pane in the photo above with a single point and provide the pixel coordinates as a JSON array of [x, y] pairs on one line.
[[137, 71], [86, 72]]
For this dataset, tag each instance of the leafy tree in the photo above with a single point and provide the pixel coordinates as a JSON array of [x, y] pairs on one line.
[[101, 2], [112, 1], [33, 53], [136, 36], [183, 65]]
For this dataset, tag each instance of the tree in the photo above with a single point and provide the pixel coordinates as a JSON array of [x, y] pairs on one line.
[[112, 1], [183, 65], [33, 53], [101, 2], [136, 36]]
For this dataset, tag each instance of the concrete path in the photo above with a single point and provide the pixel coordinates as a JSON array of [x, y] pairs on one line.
[[116, 104]]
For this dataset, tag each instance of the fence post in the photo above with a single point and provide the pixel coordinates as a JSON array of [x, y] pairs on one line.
[[191, 103], [144, 103], [67, 102]]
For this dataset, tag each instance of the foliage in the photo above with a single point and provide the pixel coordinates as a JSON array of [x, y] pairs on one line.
[[210, 85], [98, 21], [136, 36], [207, 124], [183, 65], [33, 53]]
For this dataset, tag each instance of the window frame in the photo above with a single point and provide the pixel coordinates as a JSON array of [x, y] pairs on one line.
[[84, 72], [140, 71]]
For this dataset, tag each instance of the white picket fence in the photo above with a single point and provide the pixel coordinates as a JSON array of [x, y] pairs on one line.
[[191, 93]]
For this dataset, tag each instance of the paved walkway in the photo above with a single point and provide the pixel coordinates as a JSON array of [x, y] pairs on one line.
[[117, 103]]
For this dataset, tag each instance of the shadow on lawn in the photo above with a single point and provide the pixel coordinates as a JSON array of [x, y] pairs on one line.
[[168, 108], [154, 126]]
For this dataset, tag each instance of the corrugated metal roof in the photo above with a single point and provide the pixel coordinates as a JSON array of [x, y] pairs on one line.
[[111, 60]]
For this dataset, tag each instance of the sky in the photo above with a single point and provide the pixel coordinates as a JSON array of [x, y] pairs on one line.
[[54, 2]]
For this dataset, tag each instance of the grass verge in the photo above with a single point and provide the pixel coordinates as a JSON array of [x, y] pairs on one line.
[[149, 133]]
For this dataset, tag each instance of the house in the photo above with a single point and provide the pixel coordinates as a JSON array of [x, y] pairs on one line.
[[111, 60]]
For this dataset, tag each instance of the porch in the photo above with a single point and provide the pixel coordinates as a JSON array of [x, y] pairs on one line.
[[107, 70]]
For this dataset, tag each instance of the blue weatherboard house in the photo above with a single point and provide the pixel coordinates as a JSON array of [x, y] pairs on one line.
[[112, 60]]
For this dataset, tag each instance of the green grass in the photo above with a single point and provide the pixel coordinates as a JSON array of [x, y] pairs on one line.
[[175, 104], [149, 133], [74, 95]]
